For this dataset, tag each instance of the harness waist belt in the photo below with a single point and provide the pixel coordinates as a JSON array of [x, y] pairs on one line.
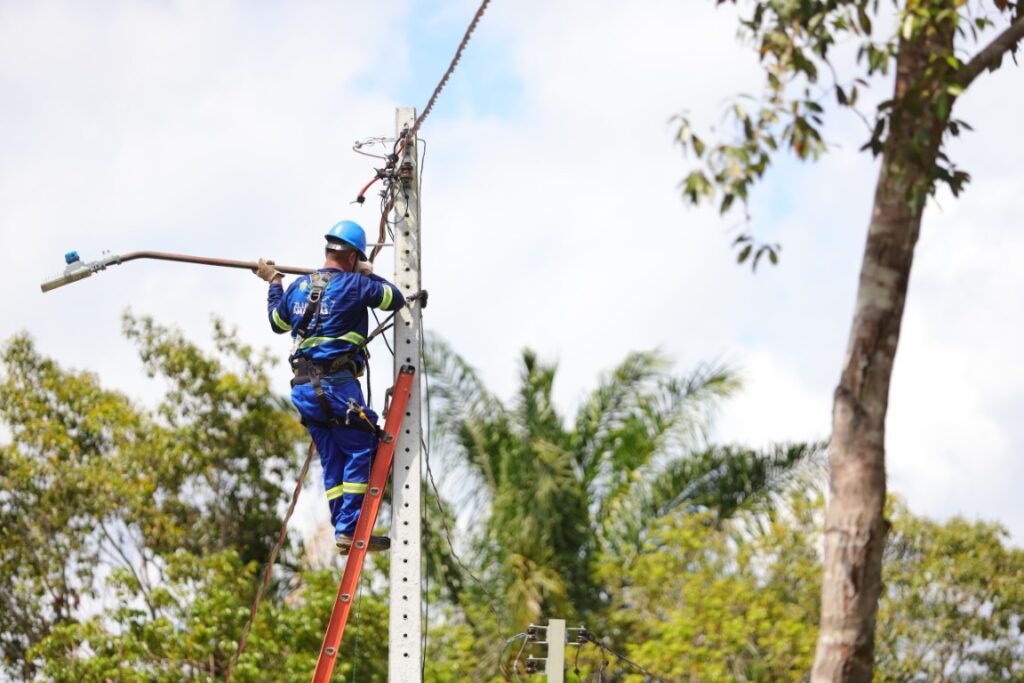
[[304, 369]]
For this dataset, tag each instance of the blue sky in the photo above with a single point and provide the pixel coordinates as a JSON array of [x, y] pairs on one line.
[[552, 216]]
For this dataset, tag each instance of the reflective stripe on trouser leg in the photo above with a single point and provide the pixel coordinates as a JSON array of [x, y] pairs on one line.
[[346, 487], [358, 447], [345, 453]]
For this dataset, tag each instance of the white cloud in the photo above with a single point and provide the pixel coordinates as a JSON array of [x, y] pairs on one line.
[[226, 130], [775, 406]]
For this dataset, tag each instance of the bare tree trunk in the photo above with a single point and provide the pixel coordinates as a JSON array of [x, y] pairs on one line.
[[855, 527]]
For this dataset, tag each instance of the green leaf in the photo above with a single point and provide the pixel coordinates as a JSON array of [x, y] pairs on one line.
[[727, 201], [698, 145], [744, 253], [758, 255], [864, 19]]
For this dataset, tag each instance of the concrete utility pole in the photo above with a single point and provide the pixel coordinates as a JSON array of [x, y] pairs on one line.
[[555, 664], [405, 654]]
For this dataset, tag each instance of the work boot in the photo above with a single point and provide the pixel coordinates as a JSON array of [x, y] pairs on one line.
[[376, 544]]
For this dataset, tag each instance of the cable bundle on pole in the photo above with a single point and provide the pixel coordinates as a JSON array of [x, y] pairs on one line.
[[451, 69]]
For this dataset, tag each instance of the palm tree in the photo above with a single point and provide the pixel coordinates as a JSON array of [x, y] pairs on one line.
[[542, 498]]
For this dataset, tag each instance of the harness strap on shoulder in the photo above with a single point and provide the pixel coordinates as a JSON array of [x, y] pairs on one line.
[[318, 283]]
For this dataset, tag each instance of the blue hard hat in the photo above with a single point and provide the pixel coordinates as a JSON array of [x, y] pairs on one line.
[[351, 236]]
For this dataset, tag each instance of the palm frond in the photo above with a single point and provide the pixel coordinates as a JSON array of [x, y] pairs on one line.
[[536, 416], [723, 479], [663, 417], [469, 425], [603, 413], [457, 392]]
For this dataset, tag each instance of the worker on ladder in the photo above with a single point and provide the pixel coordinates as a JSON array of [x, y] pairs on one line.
[[326, 313]]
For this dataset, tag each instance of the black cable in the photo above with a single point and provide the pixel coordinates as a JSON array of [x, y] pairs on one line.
[[384, 337], [501, 655], [423, 163], [423, 505], [267, 571], [515, 663], [425, 625], [621, 657], [437, 493], [357, 147]]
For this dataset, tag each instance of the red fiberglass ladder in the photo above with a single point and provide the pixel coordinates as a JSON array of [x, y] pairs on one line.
[[364, 527]]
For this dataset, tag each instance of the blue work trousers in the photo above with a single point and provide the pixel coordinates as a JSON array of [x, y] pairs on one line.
[[345, 452]]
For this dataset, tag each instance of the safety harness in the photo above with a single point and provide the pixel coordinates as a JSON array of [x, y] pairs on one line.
[[307, 372]]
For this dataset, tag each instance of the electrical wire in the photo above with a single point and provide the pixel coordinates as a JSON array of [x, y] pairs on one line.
[[261, 591], [451, 69], [504, 649], [621, 657], [519, 655], [358, 145], [386, 343], [386, 206], [424, 442], [437, 493], [576, 661]]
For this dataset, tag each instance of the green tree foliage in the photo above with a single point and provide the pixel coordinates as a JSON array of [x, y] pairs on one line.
[[200, 608], [953, 603], [929, 57], [549, 496], [78, 454], [740, 601], [711, 602], [820, 54], [125, 557], [130, 539]]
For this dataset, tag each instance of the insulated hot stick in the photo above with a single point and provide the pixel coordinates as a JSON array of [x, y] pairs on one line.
[[79, 270]]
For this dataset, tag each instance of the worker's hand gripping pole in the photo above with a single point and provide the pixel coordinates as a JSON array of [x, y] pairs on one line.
[[367, 519]]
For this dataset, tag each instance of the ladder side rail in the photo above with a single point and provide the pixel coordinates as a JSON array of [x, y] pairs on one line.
[[364, 527]]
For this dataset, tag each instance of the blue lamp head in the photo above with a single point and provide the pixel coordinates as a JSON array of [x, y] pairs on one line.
[[71, 257]]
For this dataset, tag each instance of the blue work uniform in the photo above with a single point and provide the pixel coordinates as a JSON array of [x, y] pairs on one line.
[[345, 452]]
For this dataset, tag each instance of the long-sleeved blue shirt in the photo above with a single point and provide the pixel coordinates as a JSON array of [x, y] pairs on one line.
[[343, 320]]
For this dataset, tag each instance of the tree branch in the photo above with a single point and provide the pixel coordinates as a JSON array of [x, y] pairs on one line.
[[992, 52]]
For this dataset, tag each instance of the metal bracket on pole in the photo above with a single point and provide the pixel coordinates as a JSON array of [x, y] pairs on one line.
[[405, 654]]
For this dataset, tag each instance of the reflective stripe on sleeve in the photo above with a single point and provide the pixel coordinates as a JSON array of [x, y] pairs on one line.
[[386, 298], [279, 322]]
